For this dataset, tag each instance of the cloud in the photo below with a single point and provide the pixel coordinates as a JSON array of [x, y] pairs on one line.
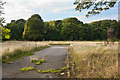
[[16, 9], [48, 9]]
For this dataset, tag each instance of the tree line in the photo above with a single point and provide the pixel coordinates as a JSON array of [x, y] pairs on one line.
[[35, 29]]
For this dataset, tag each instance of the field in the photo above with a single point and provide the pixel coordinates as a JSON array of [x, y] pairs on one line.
[[91, 60]]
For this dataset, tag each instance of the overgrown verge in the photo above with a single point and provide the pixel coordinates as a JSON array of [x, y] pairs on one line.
[[93, 61], [18, 54]]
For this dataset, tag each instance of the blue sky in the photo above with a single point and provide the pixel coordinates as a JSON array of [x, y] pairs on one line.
[[52, 10]]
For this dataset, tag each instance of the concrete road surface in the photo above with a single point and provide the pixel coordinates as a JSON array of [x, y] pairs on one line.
[[55, 56]]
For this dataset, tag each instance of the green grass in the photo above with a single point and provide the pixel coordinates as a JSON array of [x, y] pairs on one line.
[[27, 69], [38, 62], [53, 70], [19, 54]]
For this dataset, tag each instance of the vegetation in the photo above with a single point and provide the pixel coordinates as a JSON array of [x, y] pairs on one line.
[[13, 50], [18, 54], [38, 62], [94, 6], [33, 29], [2, 20], [11, 46], [53, 70], [69, 29], [27, 69], [91, 60], [5, 33], [16, 28]]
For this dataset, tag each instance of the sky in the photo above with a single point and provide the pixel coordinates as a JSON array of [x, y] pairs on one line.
[[52, 10]]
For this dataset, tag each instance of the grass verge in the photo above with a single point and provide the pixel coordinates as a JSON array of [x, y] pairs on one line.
[[18, 54], [93, 61]]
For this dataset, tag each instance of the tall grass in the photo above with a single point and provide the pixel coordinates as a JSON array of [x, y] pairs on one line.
[[13, 50], [11, 46], [91, 60]]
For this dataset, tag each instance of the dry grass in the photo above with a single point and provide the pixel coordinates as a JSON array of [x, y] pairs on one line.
[[93, 60], [11, 46]]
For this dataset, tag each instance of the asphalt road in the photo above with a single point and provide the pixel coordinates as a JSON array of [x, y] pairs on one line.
[[55, 56]]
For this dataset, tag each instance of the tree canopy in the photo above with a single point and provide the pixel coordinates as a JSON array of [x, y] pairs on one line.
[[33, 29], [5, 33], [16, 28], [94, 6], [67, 29], [1, 12]]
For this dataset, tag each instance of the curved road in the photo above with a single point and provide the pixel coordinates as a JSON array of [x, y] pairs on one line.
[[55, 56]]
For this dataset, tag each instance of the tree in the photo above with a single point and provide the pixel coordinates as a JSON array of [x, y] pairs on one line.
[[17, 28], [5, 33], [94, 6], [33, 29], [118, 30], [71, 29], [1, 12], [72, 20], [111, 34]]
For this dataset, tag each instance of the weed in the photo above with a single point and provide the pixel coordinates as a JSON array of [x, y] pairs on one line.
[[38, 62], [53, 70], [27, 69]]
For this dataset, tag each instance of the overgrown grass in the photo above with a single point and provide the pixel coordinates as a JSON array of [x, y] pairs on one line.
[[11, 46], [93, 60], [18, 54]]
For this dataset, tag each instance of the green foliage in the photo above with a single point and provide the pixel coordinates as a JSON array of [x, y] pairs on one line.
[[94, 6], [99, 29], [27, 69], [118, 30], [53, 70], [5, 33], [38, 62], [67, 29], [16, 28], [33, 29], [72, 20], [52, 30]]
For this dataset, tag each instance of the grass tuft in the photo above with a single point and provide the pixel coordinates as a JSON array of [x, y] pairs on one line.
[[27, 69], [53, 70], [38, 62]]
